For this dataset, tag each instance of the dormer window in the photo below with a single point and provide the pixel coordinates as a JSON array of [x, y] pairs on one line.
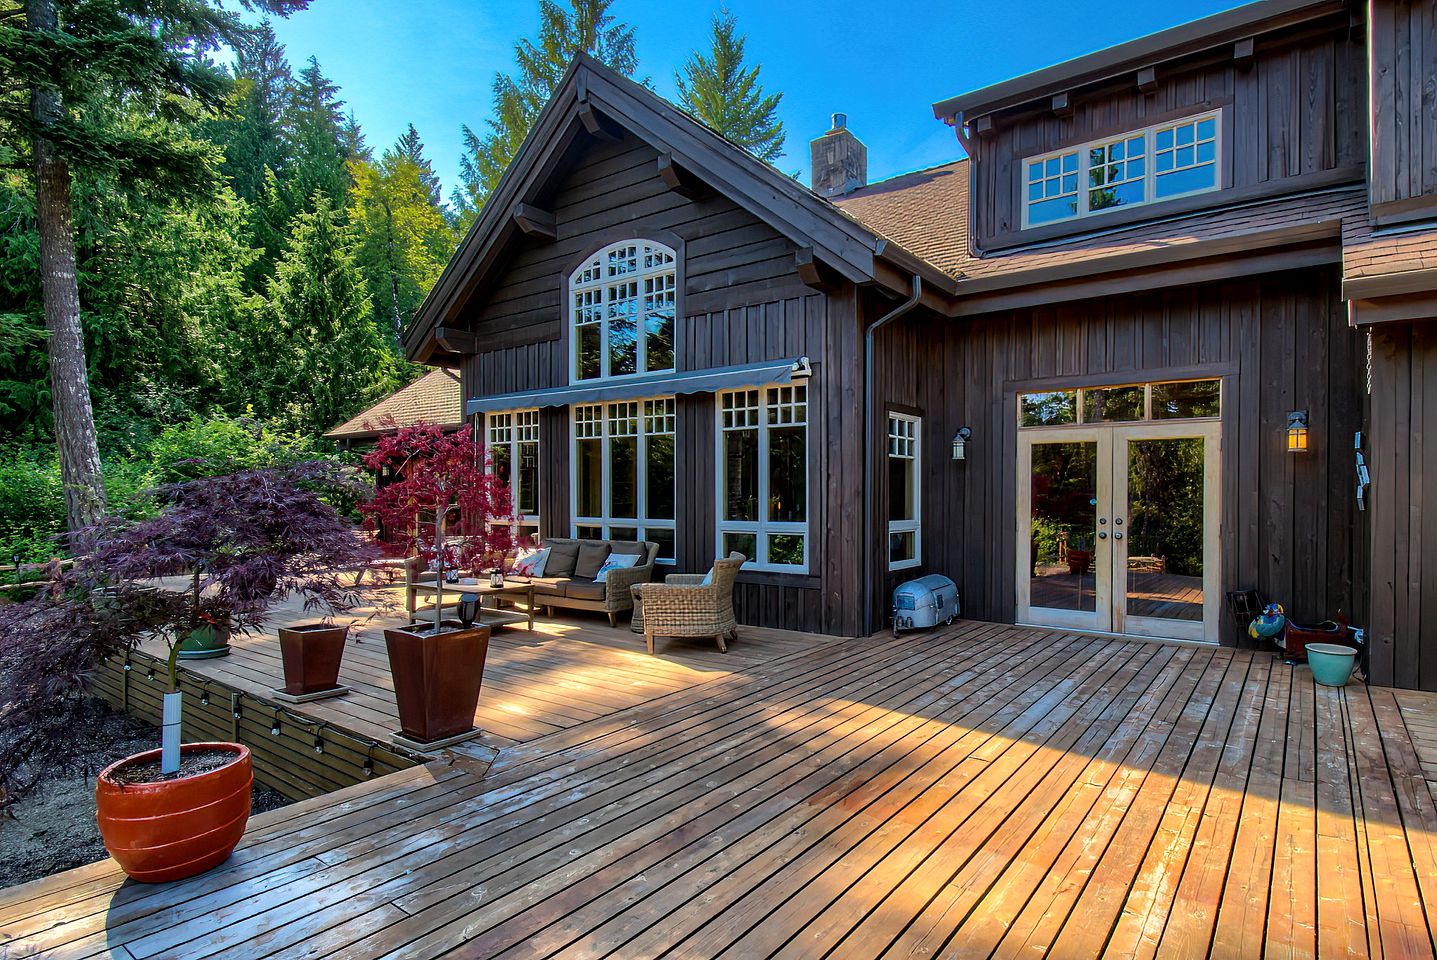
[[622, 302], [1156, 163]]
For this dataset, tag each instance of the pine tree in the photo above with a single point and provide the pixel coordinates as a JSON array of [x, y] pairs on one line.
[[410, 147], [144, 69], [254, 139], [330, 360], [720, 91], [585, 26], [317, 140]]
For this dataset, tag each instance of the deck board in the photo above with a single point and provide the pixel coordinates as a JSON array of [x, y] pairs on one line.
[[987, 790]]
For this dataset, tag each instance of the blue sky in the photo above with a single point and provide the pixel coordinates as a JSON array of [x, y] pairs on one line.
[[432, 62]]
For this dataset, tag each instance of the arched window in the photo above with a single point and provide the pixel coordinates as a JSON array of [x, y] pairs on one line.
[[623, 303]]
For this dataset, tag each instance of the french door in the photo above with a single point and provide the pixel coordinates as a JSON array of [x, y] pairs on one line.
[[1118, 528]]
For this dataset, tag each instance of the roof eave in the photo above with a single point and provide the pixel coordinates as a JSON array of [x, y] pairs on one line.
[[1196, 36]]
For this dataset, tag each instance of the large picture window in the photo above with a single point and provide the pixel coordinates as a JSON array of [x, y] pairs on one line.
[[904, 533], [514, 455], [622, 301], [763, 476], [1156, 163], [623, 472]]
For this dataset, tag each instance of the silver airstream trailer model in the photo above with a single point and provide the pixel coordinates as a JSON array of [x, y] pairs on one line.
[[922, 603]]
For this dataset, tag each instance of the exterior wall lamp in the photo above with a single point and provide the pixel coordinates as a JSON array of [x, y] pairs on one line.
[[960, 443], [1297, 431]]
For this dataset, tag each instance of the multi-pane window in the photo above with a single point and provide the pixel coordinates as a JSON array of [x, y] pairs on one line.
[[1128, 403], [904, 438], [623, 303], [1156, 163], [513, 438], [623, 467], [763, 476]]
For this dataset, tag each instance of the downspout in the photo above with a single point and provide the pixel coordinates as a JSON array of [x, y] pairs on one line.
[[868, 439]]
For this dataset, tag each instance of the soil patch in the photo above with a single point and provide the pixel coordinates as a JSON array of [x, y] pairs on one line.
[[53, 829], [192, 764]]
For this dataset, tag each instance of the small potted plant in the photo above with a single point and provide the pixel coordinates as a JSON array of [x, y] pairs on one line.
[[1080, 555], [255, 537], [447, 502]]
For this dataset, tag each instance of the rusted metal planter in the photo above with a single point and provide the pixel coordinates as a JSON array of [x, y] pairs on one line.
[[312, 653], [436, 680]]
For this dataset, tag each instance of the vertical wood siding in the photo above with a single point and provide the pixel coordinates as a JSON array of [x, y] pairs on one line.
[[1288, 523], [1403, 513], [1403, 38], [1299, 110]]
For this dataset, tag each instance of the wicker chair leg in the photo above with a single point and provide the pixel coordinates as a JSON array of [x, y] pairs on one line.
[[649, 638], [613, 618], [723, 647]]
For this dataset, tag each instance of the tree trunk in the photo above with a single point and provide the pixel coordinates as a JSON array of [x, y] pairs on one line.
[[69, 378]]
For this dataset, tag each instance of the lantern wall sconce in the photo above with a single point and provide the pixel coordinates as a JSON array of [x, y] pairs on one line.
[[960, 443], [1297, 431]]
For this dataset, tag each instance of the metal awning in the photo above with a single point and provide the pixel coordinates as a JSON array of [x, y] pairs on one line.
[[648, 385]]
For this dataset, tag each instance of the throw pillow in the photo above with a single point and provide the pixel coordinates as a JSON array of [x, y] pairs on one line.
[[592, 554], [614, 562], [708, 579], [531, 563], [562, 556]]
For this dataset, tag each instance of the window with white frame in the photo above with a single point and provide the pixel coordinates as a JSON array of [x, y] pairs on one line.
[[763, 476], [623, 301], [513, 438], [1156, 163], [904, 534], [623, 472]]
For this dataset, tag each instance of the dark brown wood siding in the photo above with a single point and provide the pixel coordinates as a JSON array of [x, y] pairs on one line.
[[1293, 118], [1402, 517], [742, 302], [1281, 343], [1403, 37]]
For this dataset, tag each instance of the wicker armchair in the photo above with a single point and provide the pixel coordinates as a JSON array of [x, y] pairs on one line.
[[682, 606]]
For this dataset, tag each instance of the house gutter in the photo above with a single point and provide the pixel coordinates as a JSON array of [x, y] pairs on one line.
[[869, 440]]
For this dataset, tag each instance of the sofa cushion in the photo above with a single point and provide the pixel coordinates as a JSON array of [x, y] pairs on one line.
[[592, 554], [562, 555], [577, 589], [549, 586]]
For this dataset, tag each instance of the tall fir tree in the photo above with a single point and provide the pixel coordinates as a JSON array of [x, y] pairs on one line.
[[584, 26], [143, 69], [329, 361], [318, 140], [410, 147], [720, 90], [253, 134]]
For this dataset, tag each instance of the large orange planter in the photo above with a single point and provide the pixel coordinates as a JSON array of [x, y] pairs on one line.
[[168, 831]]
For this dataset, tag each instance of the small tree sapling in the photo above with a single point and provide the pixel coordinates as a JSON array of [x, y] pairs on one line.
[[445, 504]]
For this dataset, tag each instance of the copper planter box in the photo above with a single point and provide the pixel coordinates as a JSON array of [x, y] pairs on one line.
[[437, 678], [311, 654]]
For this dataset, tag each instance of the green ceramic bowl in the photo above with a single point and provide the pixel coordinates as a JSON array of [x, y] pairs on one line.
[[1331, 664]]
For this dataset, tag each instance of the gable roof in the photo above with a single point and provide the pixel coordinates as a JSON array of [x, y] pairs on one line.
[[592, 98], [433, 398]]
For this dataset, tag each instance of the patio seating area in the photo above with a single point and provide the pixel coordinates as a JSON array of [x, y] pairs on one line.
[[984, 790]]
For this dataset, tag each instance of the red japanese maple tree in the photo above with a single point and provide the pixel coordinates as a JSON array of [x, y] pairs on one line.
[[443, 502]]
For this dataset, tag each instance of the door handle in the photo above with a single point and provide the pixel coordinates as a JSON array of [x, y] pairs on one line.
[[1103, 535], [1102, 520], [1118, 521], [1117, 536]]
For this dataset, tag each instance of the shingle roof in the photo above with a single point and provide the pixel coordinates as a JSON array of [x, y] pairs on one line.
[[926, 212], [1368, 253], [433, 398]]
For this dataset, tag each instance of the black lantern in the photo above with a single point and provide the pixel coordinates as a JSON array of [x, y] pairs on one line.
[[960, 443], [1297, 431]]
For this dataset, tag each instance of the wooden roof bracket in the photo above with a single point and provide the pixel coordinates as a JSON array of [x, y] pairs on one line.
[[456, 341], [594, 123], [1062, 104], [1148, 80], [1242, 53], [680, 181], [813, 272], [534, 221]]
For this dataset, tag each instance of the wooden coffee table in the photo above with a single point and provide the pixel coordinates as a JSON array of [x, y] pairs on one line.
[[494, 616]]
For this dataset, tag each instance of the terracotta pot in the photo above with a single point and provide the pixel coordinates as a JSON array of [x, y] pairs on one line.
[[1079, 561], [176, 828], [312, 653], [437, 678]]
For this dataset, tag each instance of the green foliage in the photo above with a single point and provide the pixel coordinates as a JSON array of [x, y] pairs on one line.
[[719, 90], [211, 447], [32, 506], [585, 26]]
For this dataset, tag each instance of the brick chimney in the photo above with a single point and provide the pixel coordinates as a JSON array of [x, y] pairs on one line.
[[838, 161]]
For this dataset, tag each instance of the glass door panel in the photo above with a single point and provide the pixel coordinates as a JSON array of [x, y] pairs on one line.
[[1065, 576], [1165, 529]]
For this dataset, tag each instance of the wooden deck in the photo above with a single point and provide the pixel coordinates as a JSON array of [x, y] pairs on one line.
[[986, 791], [567, 671]]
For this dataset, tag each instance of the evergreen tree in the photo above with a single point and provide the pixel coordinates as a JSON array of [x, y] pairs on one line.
[[585, 26], [329, 361], [318, 140], [410, 147], [404, 240], [253, 137], [719, 90], [105, 84]]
